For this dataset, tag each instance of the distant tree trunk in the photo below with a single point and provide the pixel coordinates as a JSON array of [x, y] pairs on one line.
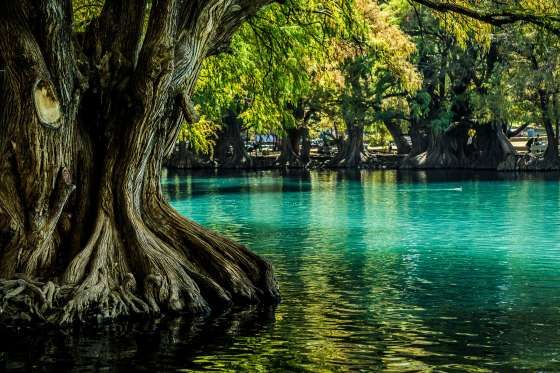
[[289, 148], [556, 112], [295, 146], [351, 154], [292, 150], [403, 146], [84, 128], [419, 138], [451, 149], [183, 157], [230, 149], [551, 156], [305, 152]]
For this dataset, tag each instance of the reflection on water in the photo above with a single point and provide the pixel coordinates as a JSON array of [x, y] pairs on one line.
[[150, 345], [393, 271]]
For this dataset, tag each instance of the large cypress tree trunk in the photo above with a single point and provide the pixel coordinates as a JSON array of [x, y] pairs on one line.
[[85, 123], [451, 149], [419, 137], [230, 150], [551, 156], [183, 157], [295, 149], [403, 147], [292, 153], [351, 153]]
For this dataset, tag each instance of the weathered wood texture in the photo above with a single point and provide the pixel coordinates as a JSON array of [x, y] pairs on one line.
[[85, 122]]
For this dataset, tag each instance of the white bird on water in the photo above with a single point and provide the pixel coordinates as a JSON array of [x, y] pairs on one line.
[[457, 189]]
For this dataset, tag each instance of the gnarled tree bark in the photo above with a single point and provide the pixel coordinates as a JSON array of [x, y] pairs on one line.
[[85, 123]]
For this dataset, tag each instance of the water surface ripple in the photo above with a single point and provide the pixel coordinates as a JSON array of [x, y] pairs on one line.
[[379, 271], [394, 271]]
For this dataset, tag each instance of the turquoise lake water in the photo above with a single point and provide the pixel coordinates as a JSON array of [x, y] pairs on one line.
[[396, 271], [379, 271]]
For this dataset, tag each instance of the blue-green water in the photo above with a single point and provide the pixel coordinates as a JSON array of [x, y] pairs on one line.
[[379, 271], [392, 271]]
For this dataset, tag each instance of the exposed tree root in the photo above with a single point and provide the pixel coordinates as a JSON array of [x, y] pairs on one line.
[[452, 149], [352, 153], [528, 162], [242, 275], [80, 166], [178, 266], [26, 300]]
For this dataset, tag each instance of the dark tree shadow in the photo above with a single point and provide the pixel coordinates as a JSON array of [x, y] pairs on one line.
[[165, 344]]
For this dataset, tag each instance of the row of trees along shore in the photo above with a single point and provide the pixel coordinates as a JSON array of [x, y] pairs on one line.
[[94, 95], [448, 88]]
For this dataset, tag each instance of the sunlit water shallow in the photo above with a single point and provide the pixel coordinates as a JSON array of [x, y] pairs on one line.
[[394, 271]]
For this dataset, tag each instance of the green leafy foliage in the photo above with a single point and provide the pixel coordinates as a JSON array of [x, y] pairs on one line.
[[277, 59], [325, 64]]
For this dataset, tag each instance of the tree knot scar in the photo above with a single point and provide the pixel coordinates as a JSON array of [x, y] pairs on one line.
[[47, 105], [66, 176]]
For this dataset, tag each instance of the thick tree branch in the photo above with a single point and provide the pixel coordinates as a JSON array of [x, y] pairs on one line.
[[518, 130], [46, 50], [236, 15], [156, 56], [207, 29], [497, 16], [187, 107], [54, 37], [155, 68], [120, 29], [64, 188]]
